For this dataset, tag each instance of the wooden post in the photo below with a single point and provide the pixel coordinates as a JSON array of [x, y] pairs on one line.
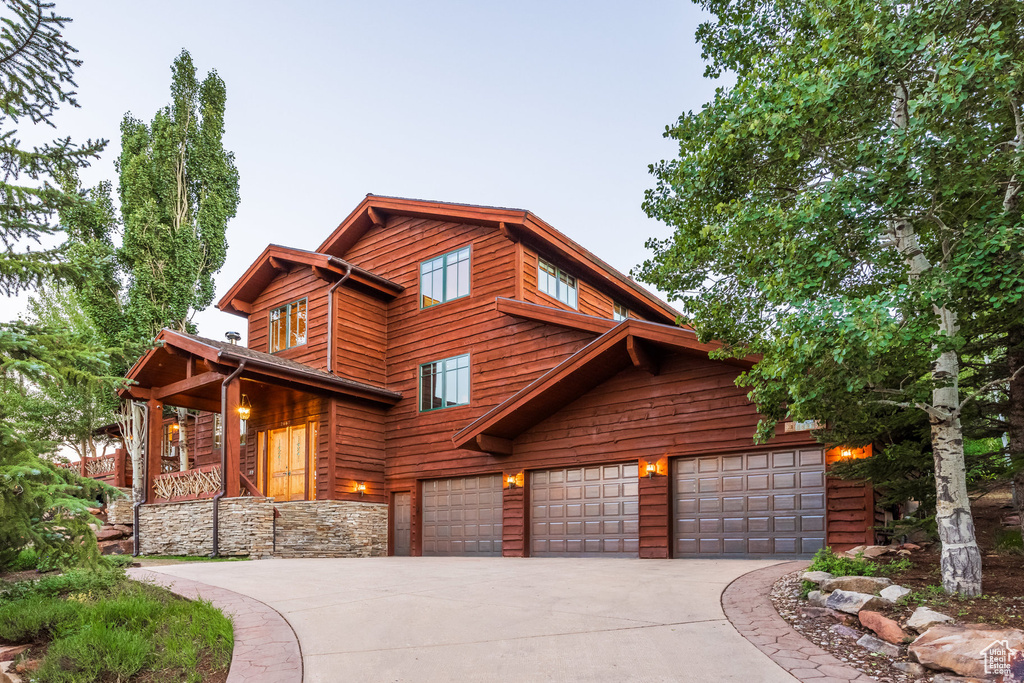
[[120, 480], [154, 443], [231, 440]]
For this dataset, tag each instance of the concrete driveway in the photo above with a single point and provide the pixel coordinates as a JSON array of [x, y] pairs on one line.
[[470, 619]]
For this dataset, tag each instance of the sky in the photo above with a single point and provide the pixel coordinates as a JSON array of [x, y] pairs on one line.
[[555, 106]]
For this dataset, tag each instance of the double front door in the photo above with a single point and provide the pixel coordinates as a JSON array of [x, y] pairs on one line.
[[288, 463]]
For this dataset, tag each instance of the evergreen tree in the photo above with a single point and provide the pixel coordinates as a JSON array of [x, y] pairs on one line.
[[40, 504], [850, 210]]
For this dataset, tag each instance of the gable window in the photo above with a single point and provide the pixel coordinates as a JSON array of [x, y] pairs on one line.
[[444, 383], [619, 312], [444, 278], [288, 326], [556, 283]]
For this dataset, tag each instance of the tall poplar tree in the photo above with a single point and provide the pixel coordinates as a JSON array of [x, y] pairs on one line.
[[178, 188], [851, 210]]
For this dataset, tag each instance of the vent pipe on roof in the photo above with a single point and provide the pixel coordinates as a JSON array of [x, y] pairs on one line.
[[233, 337]]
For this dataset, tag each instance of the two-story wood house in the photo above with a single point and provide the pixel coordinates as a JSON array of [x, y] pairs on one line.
[[447, 379]]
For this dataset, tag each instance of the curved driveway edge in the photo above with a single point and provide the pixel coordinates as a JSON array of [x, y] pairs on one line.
[[266, 649], [747, 605]]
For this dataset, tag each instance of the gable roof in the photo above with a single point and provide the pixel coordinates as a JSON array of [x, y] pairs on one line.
[[516, 224], [275, 257], [630, 342]]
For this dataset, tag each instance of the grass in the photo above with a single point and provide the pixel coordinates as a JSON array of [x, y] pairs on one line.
[[102, 626]]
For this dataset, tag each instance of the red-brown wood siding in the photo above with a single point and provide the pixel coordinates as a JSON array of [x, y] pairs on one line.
[[849, 510], [655, 527], [296, 284], [359, 451], [514, 521], [590, 300], [506, 353], [360, 337]]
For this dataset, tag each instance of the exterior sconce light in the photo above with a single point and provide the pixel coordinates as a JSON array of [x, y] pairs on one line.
[[845, 453], [652, 469], [511, 481], [245, 408], [174, 427], [361, 489]]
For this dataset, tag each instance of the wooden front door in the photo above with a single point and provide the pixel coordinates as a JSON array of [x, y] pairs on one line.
[[287, 463]]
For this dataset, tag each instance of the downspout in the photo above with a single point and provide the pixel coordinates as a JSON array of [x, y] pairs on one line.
[[330, 317], [223, 456]]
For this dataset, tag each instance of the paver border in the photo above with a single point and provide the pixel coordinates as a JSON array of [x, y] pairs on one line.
[[749, 609], [266, 647]]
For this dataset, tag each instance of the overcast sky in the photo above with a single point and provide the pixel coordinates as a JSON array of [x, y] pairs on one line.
[[553, 106]]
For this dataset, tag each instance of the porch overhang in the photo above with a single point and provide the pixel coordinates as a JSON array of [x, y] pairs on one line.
[[187, 371], [630, 343]]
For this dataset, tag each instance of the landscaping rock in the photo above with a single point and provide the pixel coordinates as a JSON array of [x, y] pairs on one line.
[[27, 666], [810, 612], [894, 593], [910, 546], [910, 668], [124, 547], [815, 577], [884, 627], [857, 584], [949, 678], [956, 648], [123, 528], [869, 642], [108, 533], [873, 551], [817, 598], [853, 552], [846, 631], [852, 602], [9, 652], [923, 619]]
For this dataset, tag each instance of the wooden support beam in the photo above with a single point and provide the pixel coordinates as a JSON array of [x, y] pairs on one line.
[[507, 232], [188, 384], [231, 439], [494, 444], [641, 355], [322, 274], [139, 393], [278, 264], [242, 306], [154, 445], [378, 220]]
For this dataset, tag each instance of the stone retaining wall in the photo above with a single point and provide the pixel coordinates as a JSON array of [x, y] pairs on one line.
[[186, 528], [119, 510], [331, 528]]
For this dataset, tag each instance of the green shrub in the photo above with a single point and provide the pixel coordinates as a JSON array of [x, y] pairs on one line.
[[27, 559], [116, 561], [827, 561], [73, 581], [895, 567]]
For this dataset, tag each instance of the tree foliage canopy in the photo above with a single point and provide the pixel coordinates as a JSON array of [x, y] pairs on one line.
[[850, 209]]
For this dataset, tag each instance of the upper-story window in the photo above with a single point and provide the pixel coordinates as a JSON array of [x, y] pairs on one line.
[[619, 312], [444, 278], [556, 283], [444, 383], [288, 326]]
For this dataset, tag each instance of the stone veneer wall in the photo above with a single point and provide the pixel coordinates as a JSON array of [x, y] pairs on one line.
[[186, 528], [119, 510], [332, 528]]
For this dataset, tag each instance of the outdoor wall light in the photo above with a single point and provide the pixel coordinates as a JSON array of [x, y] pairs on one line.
[[245, 408], [845, 453], [652, 469], [361, 489], [511, 481]]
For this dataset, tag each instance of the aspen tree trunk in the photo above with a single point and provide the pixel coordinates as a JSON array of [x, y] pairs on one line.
[[182, 439], [1015, 412]]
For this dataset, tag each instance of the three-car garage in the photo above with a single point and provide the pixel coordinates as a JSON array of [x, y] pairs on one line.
[[757, 504]]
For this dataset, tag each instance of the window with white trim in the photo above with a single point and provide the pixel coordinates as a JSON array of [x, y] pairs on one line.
[[556, 283]]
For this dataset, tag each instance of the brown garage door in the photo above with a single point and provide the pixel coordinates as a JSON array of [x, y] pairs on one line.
[[585, 511], [750, 504], [462, 516]]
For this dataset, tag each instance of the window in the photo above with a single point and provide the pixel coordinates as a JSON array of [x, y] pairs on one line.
[[556, 283], [444, 383], [288, 326], [169, 450], [444, 278], [619, 312]]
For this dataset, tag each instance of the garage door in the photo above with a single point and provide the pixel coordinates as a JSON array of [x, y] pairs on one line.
[[462, 516], [751, 504], [585, 511]]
